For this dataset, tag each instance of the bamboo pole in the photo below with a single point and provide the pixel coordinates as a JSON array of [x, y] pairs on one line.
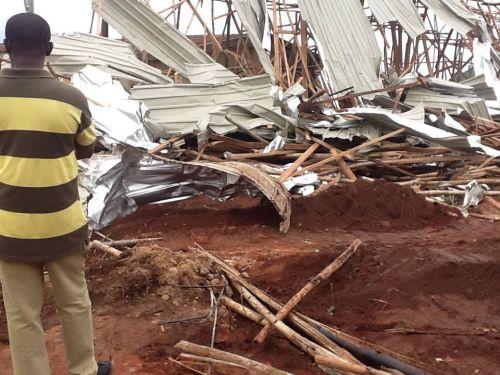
[[323, 275]]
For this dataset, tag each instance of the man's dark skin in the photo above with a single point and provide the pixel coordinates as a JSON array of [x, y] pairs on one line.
[[24, 58]]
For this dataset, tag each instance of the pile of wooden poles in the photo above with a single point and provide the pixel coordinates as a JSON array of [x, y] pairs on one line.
[[330, 349]]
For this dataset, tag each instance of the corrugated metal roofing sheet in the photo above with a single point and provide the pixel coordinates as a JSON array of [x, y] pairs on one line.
[[403, 11], [139, 24], [253, 15], [454, 14], [431, 99], [213, 73], [348, 46], [481, 87], [73, 52], [448, 139], [181, 108]]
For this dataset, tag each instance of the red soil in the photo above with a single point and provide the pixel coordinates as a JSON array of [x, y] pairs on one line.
[[417, 269], [367, 206]]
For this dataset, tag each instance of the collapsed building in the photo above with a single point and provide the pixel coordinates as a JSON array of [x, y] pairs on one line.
[[305, 95], [284, 100]]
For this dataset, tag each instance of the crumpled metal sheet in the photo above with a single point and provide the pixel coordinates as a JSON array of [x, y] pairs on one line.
[[270, 187], [388, 119], [451, 103], [139, 179], [454, 14], [139, 24], [343, 129], [113, 113], [275, 145], [253, 16], [403, 11], [72, 52], [347, 43], [208, 73], [487, 67], [474, 194], [177, 109]]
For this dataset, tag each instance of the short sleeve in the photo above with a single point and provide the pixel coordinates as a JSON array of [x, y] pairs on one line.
[[86, 135]]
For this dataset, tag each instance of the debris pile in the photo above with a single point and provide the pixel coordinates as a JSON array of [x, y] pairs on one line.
[[213, 132], [331, 349]]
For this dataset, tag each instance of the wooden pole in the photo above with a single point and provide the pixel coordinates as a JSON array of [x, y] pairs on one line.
[[132, 242], [242, 310], [354, 149], [106, 248], [343, 366], [306, 345], [298, 162], [306, 324], [299, 296], [206, 351], [306, 328], [303, 343]]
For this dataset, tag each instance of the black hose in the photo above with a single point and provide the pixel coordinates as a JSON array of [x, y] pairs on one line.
[[371, 357]]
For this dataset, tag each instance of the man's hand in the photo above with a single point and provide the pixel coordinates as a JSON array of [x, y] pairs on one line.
[[84, 152]]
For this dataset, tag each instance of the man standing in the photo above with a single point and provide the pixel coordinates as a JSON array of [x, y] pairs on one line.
[[45, 126]]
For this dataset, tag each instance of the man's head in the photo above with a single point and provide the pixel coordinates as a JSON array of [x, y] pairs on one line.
[[27, 40]]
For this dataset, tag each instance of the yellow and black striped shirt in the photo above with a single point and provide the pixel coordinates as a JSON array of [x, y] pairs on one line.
[[41, 120]]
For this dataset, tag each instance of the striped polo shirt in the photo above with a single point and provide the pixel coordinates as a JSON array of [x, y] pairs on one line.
[[41, 119]]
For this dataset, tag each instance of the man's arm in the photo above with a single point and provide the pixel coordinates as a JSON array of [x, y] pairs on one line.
[[84, 152], [85, 139]]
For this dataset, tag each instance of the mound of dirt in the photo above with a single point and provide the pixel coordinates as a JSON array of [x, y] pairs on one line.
[[367, 206], [153, 272]]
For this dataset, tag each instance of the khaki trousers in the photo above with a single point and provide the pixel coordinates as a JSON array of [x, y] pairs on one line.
[[23, 286]]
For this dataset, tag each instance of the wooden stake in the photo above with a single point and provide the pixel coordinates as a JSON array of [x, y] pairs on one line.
[[323, 275], [205, 351], [211, 361], [346, 366], [132, 242], [306, 345], [106, 248], [306, 324], [298, 162], [354, 149], [242, 310]]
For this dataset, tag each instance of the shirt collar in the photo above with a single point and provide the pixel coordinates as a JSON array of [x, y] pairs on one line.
[[24, 73]]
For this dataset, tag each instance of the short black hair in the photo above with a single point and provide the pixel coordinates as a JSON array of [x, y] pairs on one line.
[[27, 31]]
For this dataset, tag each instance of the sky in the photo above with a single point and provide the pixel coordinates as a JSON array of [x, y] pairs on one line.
[[62, 15], [66, 16]]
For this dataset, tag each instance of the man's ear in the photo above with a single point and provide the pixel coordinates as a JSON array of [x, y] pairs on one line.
[[50, 47], [7, 45]]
